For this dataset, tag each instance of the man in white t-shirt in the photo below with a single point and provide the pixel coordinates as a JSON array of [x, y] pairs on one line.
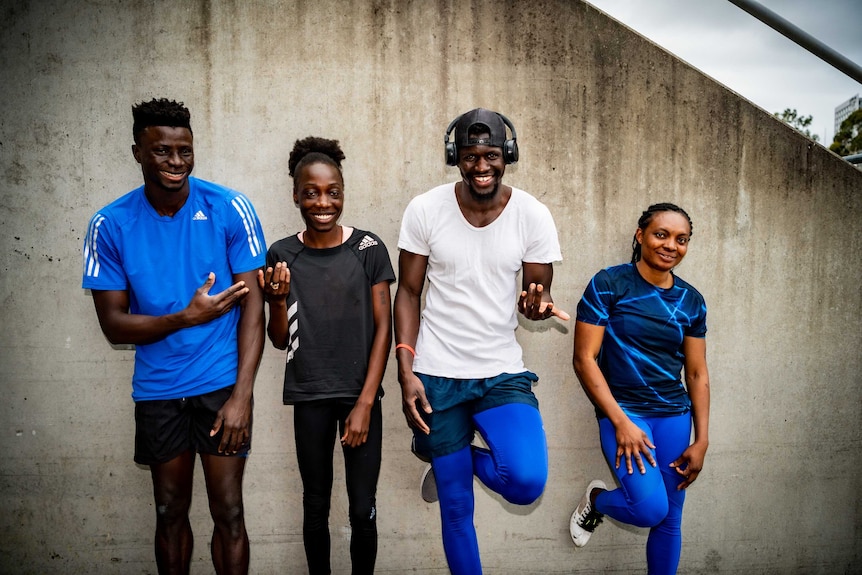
[[459, 364]]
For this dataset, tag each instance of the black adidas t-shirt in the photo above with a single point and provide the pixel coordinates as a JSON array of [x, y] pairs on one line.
[[330, 314]]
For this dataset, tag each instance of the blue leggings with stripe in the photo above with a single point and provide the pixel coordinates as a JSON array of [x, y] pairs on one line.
[[515, 466], [650, 499]]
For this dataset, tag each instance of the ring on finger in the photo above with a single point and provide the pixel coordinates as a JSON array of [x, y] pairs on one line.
[[274, 285]]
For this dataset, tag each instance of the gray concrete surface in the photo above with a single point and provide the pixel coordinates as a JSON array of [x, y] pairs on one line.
[[607, 124]]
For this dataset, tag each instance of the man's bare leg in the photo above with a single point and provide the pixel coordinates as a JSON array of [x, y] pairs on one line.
[[230, 547]]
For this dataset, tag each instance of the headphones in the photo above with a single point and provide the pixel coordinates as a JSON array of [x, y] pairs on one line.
[[510, 147]]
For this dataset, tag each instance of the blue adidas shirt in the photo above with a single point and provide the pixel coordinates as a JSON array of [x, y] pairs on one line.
[[641, 355], [161, 261]]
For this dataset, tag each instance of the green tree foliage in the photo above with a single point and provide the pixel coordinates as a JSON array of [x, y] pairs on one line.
[[797, 122], [848, 139]]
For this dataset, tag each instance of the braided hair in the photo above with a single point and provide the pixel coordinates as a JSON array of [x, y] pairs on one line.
[[312, 150], [159, 112], [646, 218]]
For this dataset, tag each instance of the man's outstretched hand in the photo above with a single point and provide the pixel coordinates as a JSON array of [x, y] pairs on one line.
[[532, 306]]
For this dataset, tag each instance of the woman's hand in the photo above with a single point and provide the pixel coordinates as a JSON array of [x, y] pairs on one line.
[[356, 426], [690, 463], [274, 281], [632, 441]]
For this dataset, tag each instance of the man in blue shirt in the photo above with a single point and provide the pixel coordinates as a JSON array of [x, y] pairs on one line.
[[151, 259]]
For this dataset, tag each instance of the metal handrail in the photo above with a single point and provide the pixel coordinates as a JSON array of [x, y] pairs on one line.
[[801, 37]]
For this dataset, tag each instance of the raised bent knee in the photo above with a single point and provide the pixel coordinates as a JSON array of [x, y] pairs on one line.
[[649, 512], [526, 486]]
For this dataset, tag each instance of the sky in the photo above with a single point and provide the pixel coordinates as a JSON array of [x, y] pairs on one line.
[[752, 59]]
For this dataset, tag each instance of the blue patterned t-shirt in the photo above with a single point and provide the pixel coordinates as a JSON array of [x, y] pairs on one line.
[[641, 355]]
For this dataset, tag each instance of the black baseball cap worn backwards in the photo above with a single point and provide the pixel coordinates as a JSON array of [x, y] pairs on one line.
[[492, 120]]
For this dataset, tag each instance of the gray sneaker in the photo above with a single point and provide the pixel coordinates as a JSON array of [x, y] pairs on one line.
[[428, 485], [585, 519]]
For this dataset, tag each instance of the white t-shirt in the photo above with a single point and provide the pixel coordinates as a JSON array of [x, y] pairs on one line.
[[468, 324]]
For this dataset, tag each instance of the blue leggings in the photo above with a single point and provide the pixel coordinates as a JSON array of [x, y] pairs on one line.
[[515, 466], [650, 499]]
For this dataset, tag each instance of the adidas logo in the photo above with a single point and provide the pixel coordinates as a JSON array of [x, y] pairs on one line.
[[199, 217], [367, 242]]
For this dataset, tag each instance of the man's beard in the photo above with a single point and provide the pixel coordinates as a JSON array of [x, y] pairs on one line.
[[482, 197]]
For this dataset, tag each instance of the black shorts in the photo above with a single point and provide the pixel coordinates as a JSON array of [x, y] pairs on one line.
[[165, 428]]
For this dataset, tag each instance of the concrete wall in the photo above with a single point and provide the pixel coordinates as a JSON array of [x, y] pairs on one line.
[[607, 123]]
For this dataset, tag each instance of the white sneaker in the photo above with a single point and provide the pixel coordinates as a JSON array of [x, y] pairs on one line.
[[428, 485], [585, 519]]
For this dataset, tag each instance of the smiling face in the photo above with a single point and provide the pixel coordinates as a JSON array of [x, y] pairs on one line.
[[318, 191], [166, 156], [482, 168], [663, 243]]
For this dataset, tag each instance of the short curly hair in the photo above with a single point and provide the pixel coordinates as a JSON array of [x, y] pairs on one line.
[[311, 150], [159, 112]]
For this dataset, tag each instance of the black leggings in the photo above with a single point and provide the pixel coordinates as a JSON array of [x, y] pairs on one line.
[[315, 424]]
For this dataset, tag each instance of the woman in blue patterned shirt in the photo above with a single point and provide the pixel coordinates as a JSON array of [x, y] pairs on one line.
[[638, 328]]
